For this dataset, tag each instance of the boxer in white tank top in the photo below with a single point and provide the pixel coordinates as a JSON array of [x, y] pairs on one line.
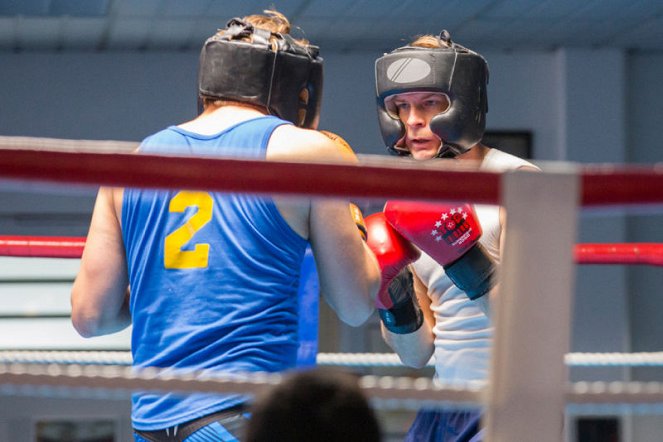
[[432, 103], [462, 330]]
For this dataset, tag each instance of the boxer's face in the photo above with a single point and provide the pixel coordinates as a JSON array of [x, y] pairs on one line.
[[415, 110]]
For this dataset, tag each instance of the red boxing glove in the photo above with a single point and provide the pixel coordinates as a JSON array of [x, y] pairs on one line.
[[396, 303], [450, 235]]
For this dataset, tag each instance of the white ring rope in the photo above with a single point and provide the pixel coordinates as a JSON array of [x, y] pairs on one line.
[[648, 359], [600, 398], [66, 357], [643, 359], [55, 380], [572, 359], [116, 382]]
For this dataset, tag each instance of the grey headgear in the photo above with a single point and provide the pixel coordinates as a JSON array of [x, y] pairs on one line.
[[455, 71], [271, 74]]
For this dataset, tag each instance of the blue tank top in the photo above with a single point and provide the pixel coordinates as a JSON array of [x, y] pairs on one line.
[[213, 276]]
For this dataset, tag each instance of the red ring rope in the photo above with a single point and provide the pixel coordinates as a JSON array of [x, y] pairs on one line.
[[42, 246], [252, 176], [621, 186], [626, 253], [590, 253], [601, 185]]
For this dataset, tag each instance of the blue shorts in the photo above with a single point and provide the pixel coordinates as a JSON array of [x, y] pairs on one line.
[[446, 426], [226, 426]]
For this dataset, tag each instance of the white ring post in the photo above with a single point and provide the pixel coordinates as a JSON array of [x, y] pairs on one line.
[[526, 394]]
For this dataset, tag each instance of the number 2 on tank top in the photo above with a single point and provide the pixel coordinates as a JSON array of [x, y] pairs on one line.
[[174, 257]]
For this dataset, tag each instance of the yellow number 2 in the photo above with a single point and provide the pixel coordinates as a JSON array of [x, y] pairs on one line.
[[174, 257]]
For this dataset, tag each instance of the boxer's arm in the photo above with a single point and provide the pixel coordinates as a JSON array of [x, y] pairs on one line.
[[485, 301], [348, 272], [99, 297], [414, 349]]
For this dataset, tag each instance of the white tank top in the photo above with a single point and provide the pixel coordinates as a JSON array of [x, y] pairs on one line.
[[462, 331]]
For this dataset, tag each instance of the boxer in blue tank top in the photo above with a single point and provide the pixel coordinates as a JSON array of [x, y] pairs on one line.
[[210, 275], [213, 276]]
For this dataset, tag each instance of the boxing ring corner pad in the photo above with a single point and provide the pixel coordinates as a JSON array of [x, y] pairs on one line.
[[532, 317]]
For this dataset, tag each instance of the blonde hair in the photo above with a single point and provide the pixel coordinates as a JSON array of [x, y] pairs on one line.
[[272, 21], [428, 41]]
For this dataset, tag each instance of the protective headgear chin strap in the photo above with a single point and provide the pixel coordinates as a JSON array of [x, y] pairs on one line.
[[271, 70], [457, 72]]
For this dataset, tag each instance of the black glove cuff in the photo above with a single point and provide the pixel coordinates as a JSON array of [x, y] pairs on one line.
[[404, 317], [473, 272]]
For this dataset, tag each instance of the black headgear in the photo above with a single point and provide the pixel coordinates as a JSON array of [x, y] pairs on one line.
[[241, 63], [455, 71]]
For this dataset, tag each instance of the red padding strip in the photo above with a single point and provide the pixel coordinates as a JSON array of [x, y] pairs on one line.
[[42, 246], [588, 253]]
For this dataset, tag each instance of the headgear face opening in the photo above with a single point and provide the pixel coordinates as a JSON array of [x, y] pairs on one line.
[[253, 65], [455, 71]]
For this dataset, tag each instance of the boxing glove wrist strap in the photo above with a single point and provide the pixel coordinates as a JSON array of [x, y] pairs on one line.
[[403, 318], [473, 273]]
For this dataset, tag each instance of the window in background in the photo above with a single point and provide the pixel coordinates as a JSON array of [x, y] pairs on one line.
[[518, 143], [75, 431]]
